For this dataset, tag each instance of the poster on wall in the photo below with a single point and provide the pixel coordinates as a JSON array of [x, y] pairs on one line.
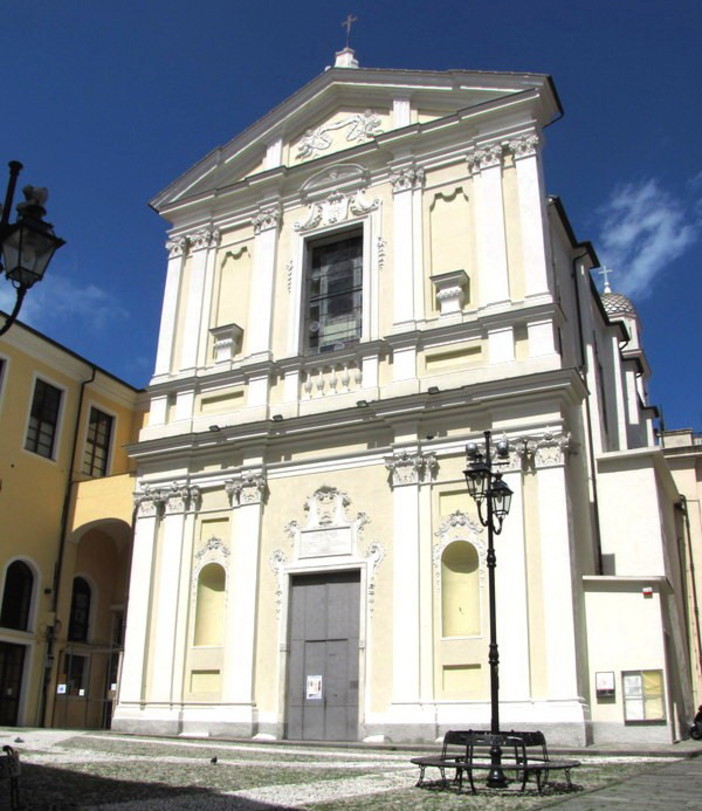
[[314, 688]]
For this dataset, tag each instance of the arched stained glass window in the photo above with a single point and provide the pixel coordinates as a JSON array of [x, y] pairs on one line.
[[17, 596], [460, 590], [209, 616]]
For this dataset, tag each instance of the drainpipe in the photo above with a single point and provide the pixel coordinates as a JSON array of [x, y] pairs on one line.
[[582, 370], [687, 542], [51, 632]]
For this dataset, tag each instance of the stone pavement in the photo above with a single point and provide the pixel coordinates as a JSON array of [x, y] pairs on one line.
[[676, 785]]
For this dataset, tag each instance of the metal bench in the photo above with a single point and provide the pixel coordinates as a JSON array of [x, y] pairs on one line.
[[10, 770], [467, 751], [454, 755]]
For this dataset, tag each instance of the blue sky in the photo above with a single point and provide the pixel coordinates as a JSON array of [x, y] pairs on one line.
[[107, 102]]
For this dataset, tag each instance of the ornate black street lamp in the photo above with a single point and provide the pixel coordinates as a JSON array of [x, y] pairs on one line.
[[493, 498], [27, 244]]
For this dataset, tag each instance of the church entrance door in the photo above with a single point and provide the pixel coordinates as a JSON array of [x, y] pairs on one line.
[[322, 688], [11, 665]]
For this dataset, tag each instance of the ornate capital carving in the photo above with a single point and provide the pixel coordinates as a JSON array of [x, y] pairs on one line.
[[411, 467], [149, 501], [247, 488], [524, 146], [204, 239], [547, 450], [485, 158], [267, 219], [177, 247], [407, 179], [181, 498]]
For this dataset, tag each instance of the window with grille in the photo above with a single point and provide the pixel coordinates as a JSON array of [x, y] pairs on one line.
[[334, 292], [43, 419], [97, 443]]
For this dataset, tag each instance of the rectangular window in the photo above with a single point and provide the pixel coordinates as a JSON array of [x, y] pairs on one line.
[[76, 675], [334, 292], [43, 419], [643, 695], [97, 443]]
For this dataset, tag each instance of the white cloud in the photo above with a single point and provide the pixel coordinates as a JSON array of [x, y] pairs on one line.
[[643, 230], [59, 300]]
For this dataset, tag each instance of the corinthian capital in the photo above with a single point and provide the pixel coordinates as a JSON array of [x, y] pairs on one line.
[[149, 502], [266, 219], [177, 247], [524, 146], [408, 467], [204, 238], [406, 179], [247, 488], [485, 158]]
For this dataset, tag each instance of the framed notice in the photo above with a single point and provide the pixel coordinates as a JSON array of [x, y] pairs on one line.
[[604, 684], [313, 691]]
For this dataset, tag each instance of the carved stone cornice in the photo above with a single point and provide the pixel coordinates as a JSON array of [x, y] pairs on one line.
[[524, 146], [247, 488], [411, 467], [177, 247], [204, 239], [407, 179], [266, 219], [485, 158]]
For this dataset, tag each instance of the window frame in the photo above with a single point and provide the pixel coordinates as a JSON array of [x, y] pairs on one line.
[[357, 291], [88, 611], [87, 444], [56, 438]]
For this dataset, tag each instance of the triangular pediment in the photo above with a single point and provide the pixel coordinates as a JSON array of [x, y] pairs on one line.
[[344, 108]]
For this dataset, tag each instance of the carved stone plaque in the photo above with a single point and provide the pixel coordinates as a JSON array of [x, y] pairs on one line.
[[319, 543]]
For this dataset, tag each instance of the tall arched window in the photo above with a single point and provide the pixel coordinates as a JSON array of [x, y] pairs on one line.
[[209, 617], [17, 596], [460, 590], [80, 611]]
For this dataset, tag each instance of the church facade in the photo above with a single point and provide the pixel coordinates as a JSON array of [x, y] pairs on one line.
[[363, 281]]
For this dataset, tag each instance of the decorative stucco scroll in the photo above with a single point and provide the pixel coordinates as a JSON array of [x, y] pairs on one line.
[[411, 467], [360, 126], [337, 208]]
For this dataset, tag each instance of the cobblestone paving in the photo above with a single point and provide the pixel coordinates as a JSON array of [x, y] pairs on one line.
[[65, 770]]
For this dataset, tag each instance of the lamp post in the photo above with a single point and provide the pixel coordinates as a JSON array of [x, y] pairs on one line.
[[493, 497], [27, 244]]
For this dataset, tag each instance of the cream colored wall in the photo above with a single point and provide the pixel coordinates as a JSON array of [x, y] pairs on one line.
[[624, 632]]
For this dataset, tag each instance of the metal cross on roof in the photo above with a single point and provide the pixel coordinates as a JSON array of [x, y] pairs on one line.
[[347, 23], [605, 271]]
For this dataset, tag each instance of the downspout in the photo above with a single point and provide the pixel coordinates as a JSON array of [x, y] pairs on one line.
[[51, 633], [582, 370]]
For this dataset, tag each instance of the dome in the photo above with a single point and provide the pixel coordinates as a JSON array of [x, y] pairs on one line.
[[616, 305]]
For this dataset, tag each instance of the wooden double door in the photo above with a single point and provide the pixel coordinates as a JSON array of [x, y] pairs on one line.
[[323, 676]]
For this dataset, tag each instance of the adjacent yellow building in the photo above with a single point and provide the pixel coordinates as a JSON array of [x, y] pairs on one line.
[[66, 507]]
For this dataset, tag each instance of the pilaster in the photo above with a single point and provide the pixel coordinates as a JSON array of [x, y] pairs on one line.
[[201, 243], [407, 183], [177, 249], [266, 225]]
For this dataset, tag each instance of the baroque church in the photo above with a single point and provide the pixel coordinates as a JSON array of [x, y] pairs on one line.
[[364, 280]]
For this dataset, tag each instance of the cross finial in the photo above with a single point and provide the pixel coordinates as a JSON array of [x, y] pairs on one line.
[[347, 23], [605, 271]]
